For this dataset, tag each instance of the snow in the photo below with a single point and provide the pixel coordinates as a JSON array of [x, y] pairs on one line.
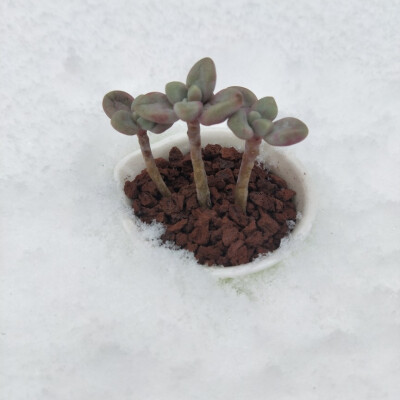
[[86, 314]]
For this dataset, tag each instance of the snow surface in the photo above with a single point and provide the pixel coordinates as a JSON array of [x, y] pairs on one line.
[[85, 314]]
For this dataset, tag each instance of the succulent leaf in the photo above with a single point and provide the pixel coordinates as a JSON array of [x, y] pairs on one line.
[[194, 93], [115, 101], [123, 122], [249, 98], [135, 116], [225, 95], [203, 75], [145, 124], [266, 107], [155, 107], [160, 128], [176, 91], [253, 115], [239, 125], [136, 101], [221, 110], [261, 126], [287, 131], [188, 110]]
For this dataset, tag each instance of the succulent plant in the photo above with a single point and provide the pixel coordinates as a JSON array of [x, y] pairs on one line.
[[195, 103], [117, 106], [253, 122]]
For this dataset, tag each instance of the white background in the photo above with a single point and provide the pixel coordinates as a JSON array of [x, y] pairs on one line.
[[87, 314]]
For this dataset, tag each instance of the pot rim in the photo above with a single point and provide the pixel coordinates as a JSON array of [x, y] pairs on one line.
[[216, 135]]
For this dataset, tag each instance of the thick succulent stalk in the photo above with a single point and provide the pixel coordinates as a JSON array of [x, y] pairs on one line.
[[199, 172], [151, 166], [252, 150]]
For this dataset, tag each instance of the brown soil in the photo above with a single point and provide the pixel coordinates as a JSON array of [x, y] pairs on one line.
[[222, 235]]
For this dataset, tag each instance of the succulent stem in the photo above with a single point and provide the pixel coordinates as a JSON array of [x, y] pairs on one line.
[[252, 150], [151, 166], [199, 172]]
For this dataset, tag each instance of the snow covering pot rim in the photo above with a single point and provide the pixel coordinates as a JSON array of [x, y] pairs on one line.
[[279, 162]]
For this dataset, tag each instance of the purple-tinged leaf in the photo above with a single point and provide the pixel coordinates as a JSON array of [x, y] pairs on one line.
[[188, 111], [225, 95], [266, 107], [239, 125], [203, 75], [261, 127], [115, 101], [221, 108], [123, 122], [176, 91], [287, 131], [249, 98], [160, 128], [155, 107]]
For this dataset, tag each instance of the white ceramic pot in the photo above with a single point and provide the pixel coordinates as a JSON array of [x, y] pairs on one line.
[[275, 159]]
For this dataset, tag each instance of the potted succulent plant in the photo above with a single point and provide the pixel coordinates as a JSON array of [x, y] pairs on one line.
[[213, 200]]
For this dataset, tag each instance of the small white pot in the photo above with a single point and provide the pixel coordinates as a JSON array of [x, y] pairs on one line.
[[277, 161]]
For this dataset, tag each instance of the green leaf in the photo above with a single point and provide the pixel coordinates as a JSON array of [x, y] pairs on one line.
[[221, 107], [155, 107], [176, 91], [266, 107], [249, 98], [203, 75], [253, 115], [287, 131], [135, 116], [115, 101], [239, 125], [188, 110], [194, 93], [123, 122], [136, 101], [261, 126], [145, 124]]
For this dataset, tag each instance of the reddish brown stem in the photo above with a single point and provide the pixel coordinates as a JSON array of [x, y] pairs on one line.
[[151, 166], [252, 150], [199, 172]]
